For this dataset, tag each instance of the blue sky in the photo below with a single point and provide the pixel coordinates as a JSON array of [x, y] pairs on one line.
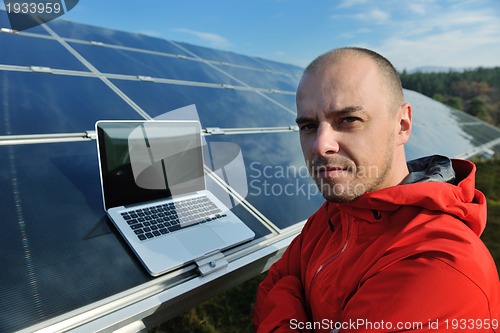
[[411, 33]]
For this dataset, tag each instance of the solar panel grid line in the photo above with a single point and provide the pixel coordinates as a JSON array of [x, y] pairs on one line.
[[68, 72], [290, 74], [471, 123], [479, 122], [24, 33], [49, 70], [197, 58], [238, 80], [253, 210], [252, 130], [479, 149], [6, 140], [173, 55], [194, 83], [158, 53], [94, 70]]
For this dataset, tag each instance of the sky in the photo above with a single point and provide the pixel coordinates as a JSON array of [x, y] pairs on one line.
[[410, 33]]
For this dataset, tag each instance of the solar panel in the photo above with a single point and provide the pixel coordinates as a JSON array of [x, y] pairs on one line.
[[60, 251]]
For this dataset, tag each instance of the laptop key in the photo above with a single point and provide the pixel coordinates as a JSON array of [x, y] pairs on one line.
[[162, 219], [175, 227]]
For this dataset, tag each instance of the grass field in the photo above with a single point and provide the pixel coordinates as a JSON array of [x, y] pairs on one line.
[[231, 311], [488, 181]]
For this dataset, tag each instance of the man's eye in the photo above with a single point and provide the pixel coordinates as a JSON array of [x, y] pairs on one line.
[[308, 127], [349, 120]]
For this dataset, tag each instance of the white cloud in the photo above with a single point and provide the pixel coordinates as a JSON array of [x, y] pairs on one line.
[[213, 39], [455, 36], [452, 48], [350, 3], [280, 53], [375, 15], [356, 33], [417, 8]]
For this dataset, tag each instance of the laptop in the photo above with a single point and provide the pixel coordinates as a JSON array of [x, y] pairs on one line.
[[154, 192]]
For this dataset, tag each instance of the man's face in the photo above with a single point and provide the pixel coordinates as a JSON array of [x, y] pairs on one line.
[[347, 129]]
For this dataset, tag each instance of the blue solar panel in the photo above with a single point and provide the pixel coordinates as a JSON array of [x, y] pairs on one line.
[[224, 57], [117, 61], [4, 23], [278, 184], [217, 107], [36, 52], [86, 33], [42, 103]]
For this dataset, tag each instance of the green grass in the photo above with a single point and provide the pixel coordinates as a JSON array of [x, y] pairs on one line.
[[488, 182], [232, 311], [225, 313]]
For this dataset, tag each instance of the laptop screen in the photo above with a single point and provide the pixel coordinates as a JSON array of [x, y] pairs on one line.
[[141, 161]]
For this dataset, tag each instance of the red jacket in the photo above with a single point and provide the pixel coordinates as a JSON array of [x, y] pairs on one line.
[[405, 258]]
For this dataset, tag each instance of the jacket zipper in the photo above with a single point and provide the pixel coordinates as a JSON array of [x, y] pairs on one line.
[[333, 257]]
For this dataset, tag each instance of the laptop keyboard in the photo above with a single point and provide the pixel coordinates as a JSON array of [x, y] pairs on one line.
[[162, 219]]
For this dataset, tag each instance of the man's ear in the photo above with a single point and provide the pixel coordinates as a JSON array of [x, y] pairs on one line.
[[405, 123]]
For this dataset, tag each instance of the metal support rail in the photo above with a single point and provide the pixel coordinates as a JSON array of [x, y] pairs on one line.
[[111, 76], [144, 51], [483, 149], [7, 140]]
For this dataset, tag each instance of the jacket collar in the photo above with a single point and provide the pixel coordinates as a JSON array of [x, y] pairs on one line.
[[435, 168], [433, 189]]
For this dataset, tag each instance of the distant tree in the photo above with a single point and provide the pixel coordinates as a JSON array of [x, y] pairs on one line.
[[477, 108], [459, 89], [438, 97], [462, 88], [481, 88], [455, 102]]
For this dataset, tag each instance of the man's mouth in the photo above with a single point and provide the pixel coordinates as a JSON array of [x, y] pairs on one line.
[[330, 171]]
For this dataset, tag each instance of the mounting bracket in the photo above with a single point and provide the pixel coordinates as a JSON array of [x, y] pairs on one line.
[[211, 262]]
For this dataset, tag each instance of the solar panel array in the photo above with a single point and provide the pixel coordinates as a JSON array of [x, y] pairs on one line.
[[59, 252]]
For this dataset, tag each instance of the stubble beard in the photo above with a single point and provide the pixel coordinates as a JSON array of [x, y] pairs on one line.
[[360, 182]]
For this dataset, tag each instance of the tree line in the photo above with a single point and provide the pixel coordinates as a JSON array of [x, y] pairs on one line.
[[475, 91]]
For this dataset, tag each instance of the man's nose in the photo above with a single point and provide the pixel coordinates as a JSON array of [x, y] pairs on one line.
[[326, 141]]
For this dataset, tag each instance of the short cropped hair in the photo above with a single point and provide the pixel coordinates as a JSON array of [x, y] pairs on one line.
[[385, 67]]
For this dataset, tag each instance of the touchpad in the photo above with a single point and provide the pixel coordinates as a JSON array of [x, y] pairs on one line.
[[200, 241]]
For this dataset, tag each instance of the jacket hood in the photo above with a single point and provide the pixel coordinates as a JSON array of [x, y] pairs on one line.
[[436, 184]]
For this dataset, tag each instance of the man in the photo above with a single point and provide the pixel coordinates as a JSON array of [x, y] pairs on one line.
[[395, 247]]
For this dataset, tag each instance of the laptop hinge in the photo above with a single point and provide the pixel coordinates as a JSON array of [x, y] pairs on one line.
[[211, 262]]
